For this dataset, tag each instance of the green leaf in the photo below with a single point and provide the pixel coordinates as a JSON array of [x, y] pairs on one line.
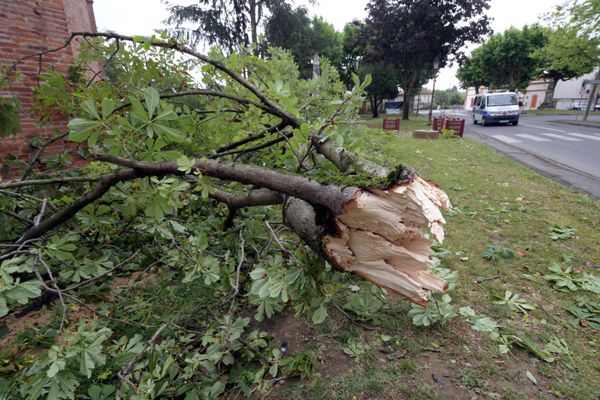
[[108, 106], [319, 315], [89, 106], [531, 377], [484, 324], [173, 135], [185, 164], [152, 98], [57, 366], [80, 129]]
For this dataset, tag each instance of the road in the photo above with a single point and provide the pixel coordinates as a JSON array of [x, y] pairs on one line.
[[566, 153]]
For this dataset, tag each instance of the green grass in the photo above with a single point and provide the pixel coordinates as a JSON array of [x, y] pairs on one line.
[[497, 201], [415, 122]]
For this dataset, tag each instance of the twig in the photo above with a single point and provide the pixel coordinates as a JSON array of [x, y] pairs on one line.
[[489, 278], [286, 251], [369, 328], [35, 182], [58, 291], [94, 279], [127, 369]]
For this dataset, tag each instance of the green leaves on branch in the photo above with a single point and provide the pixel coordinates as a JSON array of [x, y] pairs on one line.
[[13, 290]]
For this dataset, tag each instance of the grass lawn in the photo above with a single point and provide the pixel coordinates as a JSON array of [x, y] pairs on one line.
[[497, 202], [415, 122]]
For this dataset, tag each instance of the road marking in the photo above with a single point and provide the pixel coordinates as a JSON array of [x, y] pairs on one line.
[[531, 137], [555, 136], [543, 127], [505, 139], [581, 135]]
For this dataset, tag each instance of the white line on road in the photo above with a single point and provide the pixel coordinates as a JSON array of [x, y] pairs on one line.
[[555, 136], [505, 139], [581, 135], [531, 137], [543, 127]]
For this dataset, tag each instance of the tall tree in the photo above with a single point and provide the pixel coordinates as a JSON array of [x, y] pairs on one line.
[[292, 29], [227, 23], [411, 34], [504, 61], [583, 16], [565, 55], [384, 84]]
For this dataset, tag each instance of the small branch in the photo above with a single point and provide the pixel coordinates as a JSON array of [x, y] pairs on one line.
[[49, 181], [96, 278], [127, 369], [286, 251], [252, 138], [57, 290], [38, 154], [108, 61], [24, 220], [254, 148], [340, 309]]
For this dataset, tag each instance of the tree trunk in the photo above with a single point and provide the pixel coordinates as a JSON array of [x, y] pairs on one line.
[[549, 95], [374, 106], [253, 24], [406, 105], [592, 99]]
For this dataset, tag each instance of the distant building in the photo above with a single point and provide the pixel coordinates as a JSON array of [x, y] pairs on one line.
[[565, 94], [28, 27]]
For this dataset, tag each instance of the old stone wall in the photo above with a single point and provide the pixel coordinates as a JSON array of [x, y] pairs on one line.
[[28, 27]]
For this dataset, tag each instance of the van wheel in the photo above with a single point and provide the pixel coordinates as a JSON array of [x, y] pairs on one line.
[[515, 123], [484, 122], [474, 121]]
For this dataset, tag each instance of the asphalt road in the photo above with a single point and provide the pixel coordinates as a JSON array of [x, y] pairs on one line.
[[566, 153]]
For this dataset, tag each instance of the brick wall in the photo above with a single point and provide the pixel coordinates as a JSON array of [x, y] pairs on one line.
[[28, 27]]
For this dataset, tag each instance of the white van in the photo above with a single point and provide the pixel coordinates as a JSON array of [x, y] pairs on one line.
[[496, 107]]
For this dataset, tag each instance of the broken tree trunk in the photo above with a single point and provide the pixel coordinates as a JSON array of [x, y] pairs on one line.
[[380, 236]]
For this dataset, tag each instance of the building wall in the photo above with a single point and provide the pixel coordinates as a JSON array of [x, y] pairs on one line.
[[568, 91], [28, 27]]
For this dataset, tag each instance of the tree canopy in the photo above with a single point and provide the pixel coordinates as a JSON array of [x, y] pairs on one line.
[[292, 29], [504, 60], [411, 35], [229, 23]]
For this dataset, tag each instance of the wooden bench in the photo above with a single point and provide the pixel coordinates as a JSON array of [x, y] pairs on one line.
[[391, 124]]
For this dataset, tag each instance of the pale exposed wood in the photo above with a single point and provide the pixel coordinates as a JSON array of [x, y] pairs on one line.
[[381, 236]]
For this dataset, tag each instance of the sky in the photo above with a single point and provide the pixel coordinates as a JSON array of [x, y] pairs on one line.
[[141, 17]]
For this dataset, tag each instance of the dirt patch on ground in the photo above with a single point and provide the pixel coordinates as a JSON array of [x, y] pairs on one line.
[[16, 323]]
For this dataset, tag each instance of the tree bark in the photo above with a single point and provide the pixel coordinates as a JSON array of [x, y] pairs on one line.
[[592, 99], [374, 106], [405, 105], [549, 95]]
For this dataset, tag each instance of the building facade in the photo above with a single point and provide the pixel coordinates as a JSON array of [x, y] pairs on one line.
[[28, 27], [565, 94]]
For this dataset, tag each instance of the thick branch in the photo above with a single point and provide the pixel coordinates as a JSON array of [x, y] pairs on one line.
[[346, 161]]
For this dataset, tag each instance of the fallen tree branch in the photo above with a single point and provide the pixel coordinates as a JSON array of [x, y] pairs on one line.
[[48, 181]]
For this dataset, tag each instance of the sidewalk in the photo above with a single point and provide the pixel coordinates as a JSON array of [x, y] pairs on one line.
[[591, 122]]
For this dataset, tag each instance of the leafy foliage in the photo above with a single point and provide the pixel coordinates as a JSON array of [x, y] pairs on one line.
[[514, 302], [559, 233], [410, 35], [496, 253], [586, 312], [568, 279], [438, 311]]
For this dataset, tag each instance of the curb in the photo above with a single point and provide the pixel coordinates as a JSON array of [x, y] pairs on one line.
[[578, 123]]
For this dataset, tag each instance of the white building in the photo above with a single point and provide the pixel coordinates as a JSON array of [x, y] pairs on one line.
[[565, 94]]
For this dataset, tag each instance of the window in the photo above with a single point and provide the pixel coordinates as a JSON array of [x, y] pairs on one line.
[[502, 100]]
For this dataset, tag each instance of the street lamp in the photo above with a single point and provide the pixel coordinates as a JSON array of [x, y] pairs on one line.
[[436, 64]]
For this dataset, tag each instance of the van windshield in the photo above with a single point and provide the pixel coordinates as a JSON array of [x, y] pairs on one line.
[[502, 100]]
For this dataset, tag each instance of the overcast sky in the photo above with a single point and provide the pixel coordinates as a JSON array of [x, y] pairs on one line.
[[141, 17]]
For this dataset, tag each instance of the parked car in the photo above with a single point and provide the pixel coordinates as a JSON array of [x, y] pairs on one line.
[[582, 104]]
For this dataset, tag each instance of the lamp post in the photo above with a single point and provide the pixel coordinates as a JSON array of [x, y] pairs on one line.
[[436, 64]]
